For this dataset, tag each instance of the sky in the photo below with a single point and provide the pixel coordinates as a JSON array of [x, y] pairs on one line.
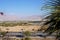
[[22, 8]]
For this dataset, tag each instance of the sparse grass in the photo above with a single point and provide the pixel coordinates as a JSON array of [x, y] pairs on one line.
[[12, 24], [5, 24]]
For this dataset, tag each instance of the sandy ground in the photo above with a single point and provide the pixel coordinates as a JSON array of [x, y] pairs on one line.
[[20, 28], [34, 38]]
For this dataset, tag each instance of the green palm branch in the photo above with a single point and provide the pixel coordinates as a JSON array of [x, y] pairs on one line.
[[53, 20]]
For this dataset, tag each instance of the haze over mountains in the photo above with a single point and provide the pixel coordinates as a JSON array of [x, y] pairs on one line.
[[33, 18], [16, 18]]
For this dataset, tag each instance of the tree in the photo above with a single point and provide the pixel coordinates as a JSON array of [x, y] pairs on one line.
[[53, 18]]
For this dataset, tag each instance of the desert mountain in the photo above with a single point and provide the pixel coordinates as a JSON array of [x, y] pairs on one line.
[[15, 18]]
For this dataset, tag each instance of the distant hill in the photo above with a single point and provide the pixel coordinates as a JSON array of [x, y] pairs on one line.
[[8, 18], [33, 18], [15, 18]]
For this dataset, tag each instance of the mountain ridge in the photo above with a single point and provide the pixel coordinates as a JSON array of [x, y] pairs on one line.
[[15, 18]]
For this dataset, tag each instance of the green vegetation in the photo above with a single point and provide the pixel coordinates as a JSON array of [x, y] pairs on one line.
[[17, 23], [27, 34], [54, 20], [3, 33], [27, 38], [11, 24]]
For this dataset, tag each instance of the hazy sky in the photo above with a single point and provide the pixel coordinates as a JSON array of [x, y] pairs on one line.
[[21, 7]]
